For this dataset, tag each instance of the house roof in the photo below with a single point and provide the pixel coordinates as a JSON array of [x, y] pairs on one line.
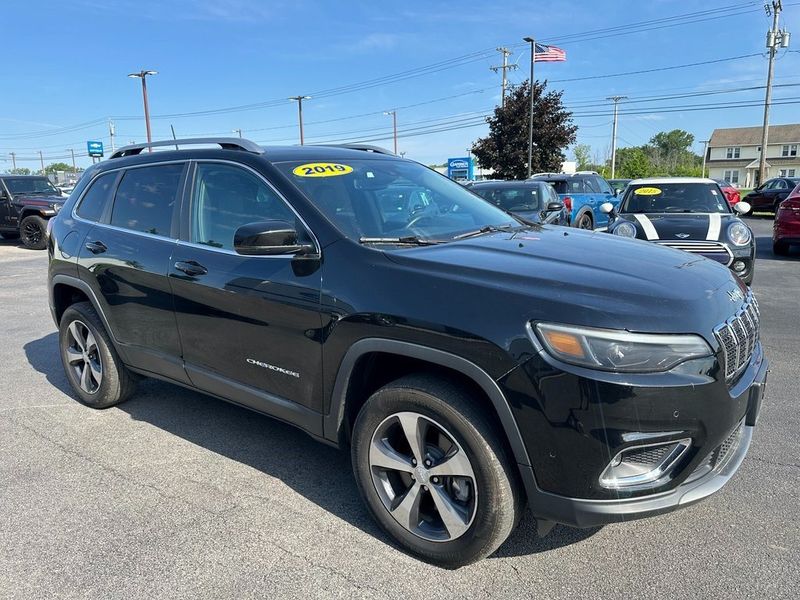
[[751, 136]]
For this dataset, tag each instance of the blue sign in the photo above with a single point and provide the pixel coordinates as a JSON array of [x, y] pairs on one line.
[[95, 149], [460, 168]]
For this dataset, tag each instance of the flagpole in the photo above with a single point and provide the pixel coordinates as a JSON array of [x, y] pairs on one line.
[[530, 114]]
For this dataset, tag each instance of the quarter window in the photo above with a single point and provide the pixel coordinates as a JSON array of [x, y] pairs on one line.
[[225, 198], [145, 199], [94, 200]]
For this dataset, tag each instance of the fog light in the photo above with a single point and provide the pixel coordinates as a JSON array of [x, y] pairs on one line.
[[643, 466], [738, 266]]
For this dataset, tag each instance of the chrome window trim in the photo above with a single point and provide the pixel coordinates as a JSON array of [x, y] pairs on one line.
[[198, 162]]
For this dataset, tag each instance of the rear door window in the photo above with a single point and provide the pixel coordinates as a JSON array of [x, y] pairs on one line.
[[94, 201], [603, 185], [146, 197]]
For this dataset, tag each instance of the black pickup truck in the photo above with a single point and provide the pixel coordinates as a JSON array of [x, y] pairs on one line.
[[26, 203]]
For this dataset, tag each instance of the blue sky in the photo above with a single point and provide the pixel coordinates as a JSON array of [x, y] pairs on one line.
[[66, 63]]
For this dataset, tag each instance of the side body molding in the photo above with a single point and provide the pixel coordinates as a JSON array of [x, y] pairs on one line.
[[333, 421]]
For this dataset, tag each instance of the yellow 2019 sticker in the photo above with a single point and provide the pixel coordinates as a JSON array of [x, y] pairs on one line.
[[647, 191], [322, 169]]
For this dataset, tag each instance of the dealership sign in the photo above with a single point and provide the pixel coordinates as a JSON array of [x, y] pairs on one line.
[[95, 149]]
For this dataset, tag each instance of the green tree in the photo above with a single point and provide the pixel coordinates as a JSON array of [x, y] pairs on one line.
[[670, 150], [59, 166], [633, 163], [505, 149], [19, 171], [583, 156]]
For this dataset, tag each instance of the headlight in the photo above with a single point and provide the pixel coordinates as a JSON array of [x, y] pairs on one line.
[[625, 229], [618, 350], [739, 233]]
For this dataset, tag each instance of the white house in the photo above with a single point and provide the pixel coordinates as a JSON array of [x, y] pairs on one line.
[[733, 154]]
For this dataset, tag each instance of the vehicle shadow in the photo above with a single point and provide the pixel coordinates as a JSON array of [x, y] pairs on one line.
[[764, 251], [319, 473]]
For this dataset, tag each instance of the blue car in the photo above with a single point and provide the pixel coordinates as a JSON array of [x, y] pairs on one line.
[[582, 193]]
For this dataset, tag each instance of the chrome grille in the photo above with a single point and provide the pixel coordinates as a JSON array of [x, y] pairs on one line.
[[738, 337], [713, 250]]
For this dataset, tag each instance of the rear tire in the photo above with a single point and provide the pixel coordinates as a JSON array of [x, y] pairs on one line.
[[585, 222], [91, 363], [447, 519], [33, 231], [780, 248]]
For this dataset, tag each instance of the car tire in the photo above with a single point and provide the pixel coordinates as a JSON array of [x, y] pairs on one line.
[[585, 222], [780, 248], [481, 506], [33, 231], [91, 363], [10, 236]]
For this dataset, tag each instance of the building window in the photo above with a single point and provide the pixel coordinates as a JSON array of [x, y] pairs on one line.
[[731, 176], [789, 150], [790, 173], [733, 152], [786, 173]]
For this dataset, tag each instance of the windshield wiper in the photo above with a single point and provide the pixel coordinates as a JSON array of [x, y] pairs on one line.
[[411, 240], [485, 229]]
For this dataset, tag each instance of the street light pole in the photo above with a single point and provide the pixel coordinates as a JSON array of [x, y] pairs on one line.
[[532, 42], [14, 159], [239, 131], [41, 159], [615, 100], [74, 168], [705, 152], [299, 100], [393, 113], [775, 38], [143, 76]]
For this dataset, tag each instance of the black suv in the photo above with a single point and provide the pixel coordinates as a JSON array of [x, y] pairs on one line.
[[471, 362], [26, 203]]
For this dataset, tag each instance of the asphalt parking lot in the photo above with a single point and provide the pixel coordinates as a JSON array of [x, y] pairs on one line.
[[174, 494]]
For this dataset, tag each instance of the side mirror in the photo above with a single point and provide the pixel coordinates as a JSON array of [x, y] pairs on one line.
[[554, 206], [264, 238], [742, 207], [607, 208]]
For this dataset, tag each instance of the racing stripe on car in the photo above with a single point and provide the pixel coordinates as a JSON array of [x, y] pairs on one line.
[[714, 225], [647, 225]]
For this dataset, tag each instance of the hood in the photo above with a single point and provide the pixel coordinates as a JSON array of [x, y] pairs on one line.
[[581, 277], [680, 226]]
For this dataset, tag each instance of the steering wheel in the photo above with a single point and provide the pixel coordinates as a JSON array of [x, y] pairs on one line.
[[413, 222], [673, 209]]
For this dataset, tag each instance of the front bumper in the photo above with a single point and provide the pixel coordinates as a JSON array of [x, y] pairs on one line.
[[690, 485]]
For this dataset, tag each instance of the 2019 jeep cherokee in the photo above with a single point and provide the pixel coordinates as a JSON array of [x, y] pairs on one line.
[[472, 363], [26, 203]]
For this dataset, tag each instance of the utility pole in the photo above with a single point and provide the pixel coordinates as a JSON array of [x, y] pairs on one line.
[[299, 100], [705, 152], [393, 114], [239, 131], [14, 159], [143, 76], [74, 168], [532, 42], [503, 68], [174, 137], [615, 100], [41, 159], [111, 134], [775, 38]]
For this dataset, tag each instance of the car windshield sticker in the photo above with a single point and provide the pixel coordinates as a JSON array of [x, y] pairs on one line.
[[647, 191], [322, 169], [714, 192]]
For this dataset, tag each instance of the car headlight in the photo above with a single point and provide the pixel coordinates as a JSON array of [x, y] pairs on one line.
[[619, 350], [739, 233], [625, 229]]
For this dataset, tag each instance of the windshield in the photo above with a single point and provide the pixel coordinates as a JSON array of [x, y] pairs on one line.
[[514, 198], [694, 197], [30, 185], [386, 199]]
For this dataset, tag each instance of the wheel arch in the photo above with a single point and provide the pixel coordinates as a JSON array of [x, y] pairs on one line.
[[345, 396], [66, 290], [28, 211]]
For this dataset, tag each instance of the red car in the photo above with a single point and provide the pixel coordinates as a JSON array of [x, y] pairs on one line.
[[731, 193], [786, 230]]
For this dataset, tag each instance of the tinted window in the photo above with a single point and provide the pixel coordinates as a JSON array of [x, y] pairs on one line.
[[146, 198], [674, 198], [227, 197], [30, 185], [95, 198], [592, 185], [569, 186], [515, 198], [780, 184], [604, 187]]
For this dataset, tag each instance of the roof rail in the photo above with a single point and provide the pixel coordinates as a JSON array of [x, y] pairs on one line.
[[364, 147], [224, 143]]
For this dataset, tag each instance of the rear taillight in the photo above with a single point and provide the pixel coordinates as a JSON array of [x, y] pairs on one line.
[[568, 203], [789, 210]]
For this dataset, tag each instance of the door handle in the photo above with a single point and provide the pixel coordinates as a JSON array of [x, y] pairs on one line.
[[96, 247], [191, 268]]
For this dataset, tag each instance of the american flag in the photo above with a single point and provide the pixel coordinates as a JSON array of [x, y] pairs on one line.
[[549, 54]]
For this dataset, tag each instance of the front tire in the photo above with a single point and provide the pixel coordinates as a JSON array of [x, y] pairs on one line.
[[433, 471], [91, 363], [33, 231]]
